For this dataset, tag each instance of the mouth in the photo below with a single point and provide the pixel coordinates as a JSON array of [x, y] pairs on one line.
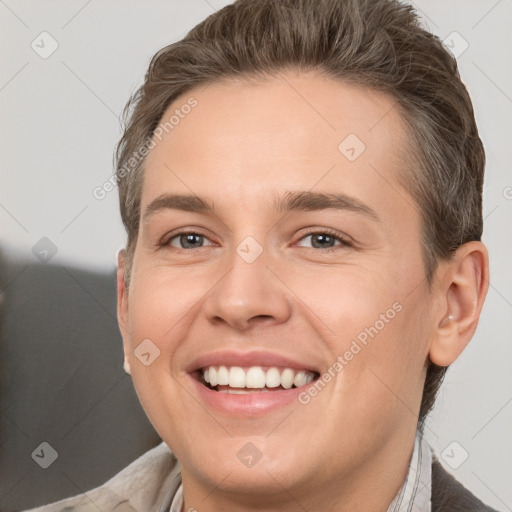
[[250, 384], [253, 379]]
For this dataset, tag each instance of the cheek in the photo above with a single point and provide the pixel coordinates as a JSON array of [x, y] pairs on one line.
[[345, 300], [160, 300], [377, 326], [392, 364], [163, 305]]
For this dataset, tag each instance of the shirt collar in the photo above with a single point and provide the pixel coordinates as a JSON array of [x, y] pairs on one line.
[[415, 493], [413, 496]]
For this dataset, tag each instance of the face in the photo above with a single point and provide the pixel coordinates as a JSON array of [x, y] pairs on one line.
[[294, 260]]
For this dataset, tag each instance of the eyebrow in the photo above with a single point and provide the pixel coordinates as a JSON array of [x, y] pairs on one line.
[[186, 203], [291, 201], [311, 201]]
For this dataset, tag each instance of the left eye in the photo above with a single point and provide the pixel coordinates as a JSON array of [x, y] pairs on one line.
[[187, 240], [322, 240]]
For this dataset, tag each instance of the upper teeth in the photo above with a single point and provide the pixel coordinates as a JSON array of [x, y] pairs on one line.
[[256, 377]]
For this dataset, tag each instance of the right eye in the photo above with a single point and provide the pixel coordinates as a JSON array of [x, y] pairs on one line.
[[186, 240]]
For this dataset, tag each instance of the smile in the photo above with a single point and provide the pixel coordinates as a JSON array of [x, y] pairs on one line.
[[243, 380], [249, 383]]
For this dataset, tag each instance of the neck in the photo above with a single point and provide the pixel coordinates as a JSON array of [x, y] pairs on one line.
[[371, 487]]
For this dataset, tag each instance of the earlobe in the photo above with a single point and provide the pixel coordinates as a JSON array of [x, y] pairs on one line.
[[447, 345], [122, 307], [464, 290], [122, 296], [126, 365]]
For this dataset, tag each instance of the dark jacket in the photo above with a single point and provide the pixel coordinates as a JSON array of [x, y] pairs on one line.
[[449, 495]]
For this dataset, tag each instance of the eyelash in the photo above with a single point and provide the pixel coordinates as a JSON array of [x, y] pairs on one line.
[[324, 231], [344, 242]]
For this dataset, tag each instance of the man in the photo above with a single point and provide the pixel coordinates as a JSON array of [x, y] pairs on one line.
[[301, 186]]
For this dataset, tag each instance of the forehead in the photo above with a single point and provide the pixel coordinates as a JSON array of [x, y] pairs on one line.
[[296, 130]]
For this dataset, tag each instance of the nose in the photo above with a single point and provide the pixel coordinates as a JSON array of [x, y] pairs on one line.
[[249, 294]]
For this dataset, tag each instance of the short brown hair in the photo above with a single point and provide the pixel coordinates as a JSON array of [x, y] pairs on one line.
[[377, 44]]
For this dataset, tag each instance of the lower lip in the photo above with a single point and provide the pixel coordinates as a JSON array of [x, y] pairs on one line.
[[250, 404]]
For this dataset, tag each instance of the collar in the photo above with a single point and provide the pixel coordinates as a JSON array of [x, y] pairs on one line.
[[413, 496], [415, 493]]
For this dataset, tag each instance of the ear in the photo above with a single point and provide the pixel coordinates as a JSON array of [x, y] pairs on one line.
[[122, 307], [464, 286]]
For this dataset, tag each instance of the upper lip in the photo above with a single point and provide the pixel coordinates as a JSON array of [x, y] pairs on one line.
[[248, 358]]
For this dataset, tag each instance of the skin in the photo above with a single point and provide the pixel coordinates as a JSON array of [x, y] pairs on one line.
[[242, 145]]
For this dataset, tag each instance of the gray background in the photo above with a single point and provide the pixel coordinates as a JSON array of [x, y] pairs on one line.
[[60, 124]]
